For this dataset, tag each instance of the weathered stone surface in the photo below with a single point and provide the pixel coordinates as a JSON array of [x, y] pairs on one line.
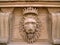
[[4, 24], [55, 12], [12, 26], [16, 31], [30, 0], [29, 44]]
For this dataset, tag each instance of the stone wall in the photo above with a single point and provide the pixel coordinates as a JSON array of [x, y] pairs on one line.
[[15, 14]]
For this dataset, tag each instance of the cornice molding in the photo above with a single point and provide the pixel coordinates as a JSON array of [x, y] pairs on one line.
[[30, 0], [31, 4]]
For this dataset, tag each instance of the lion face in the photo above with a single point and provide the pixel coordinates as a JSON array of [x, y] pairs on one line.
[[30, 25], [30, 29]]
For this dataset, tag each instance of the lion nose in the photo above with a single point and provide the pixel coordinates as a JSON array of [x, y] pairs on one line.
[[30, 26], [31, 29]]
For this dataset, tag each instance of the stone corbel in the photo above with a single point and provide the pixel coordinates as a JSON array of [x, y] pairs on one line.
[[55, 13], [5, 15]]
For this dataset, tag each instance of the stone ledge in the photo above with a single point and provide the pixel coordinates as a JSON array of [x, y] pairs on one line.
[[29, 44], [56, 41], [27, 4], [29, 0]]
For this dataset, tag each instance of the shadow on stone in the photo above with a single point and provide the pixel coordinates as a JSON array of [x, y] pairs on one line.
[[3, 44]]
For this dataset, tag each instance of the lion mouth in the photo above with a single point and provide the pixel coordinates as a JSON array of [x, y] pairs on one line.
[[30, 35], [30, 32]]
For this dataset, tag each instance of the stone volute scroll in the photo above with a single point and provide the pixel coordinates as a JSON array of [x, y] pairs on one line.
[[31, 26]]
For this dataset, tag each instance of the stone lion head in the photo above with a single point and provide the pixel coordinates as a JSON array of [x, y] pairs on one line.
[[31, 28]]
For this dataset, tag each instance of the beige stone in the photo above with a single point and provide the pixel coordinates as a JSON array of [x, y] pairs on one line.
[[13, 17]]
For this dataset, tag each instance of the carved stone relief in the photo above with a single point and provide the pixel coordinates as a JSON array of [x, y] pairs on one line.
[[5, 15], [31, 26], [27, 24], [55, 12]]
